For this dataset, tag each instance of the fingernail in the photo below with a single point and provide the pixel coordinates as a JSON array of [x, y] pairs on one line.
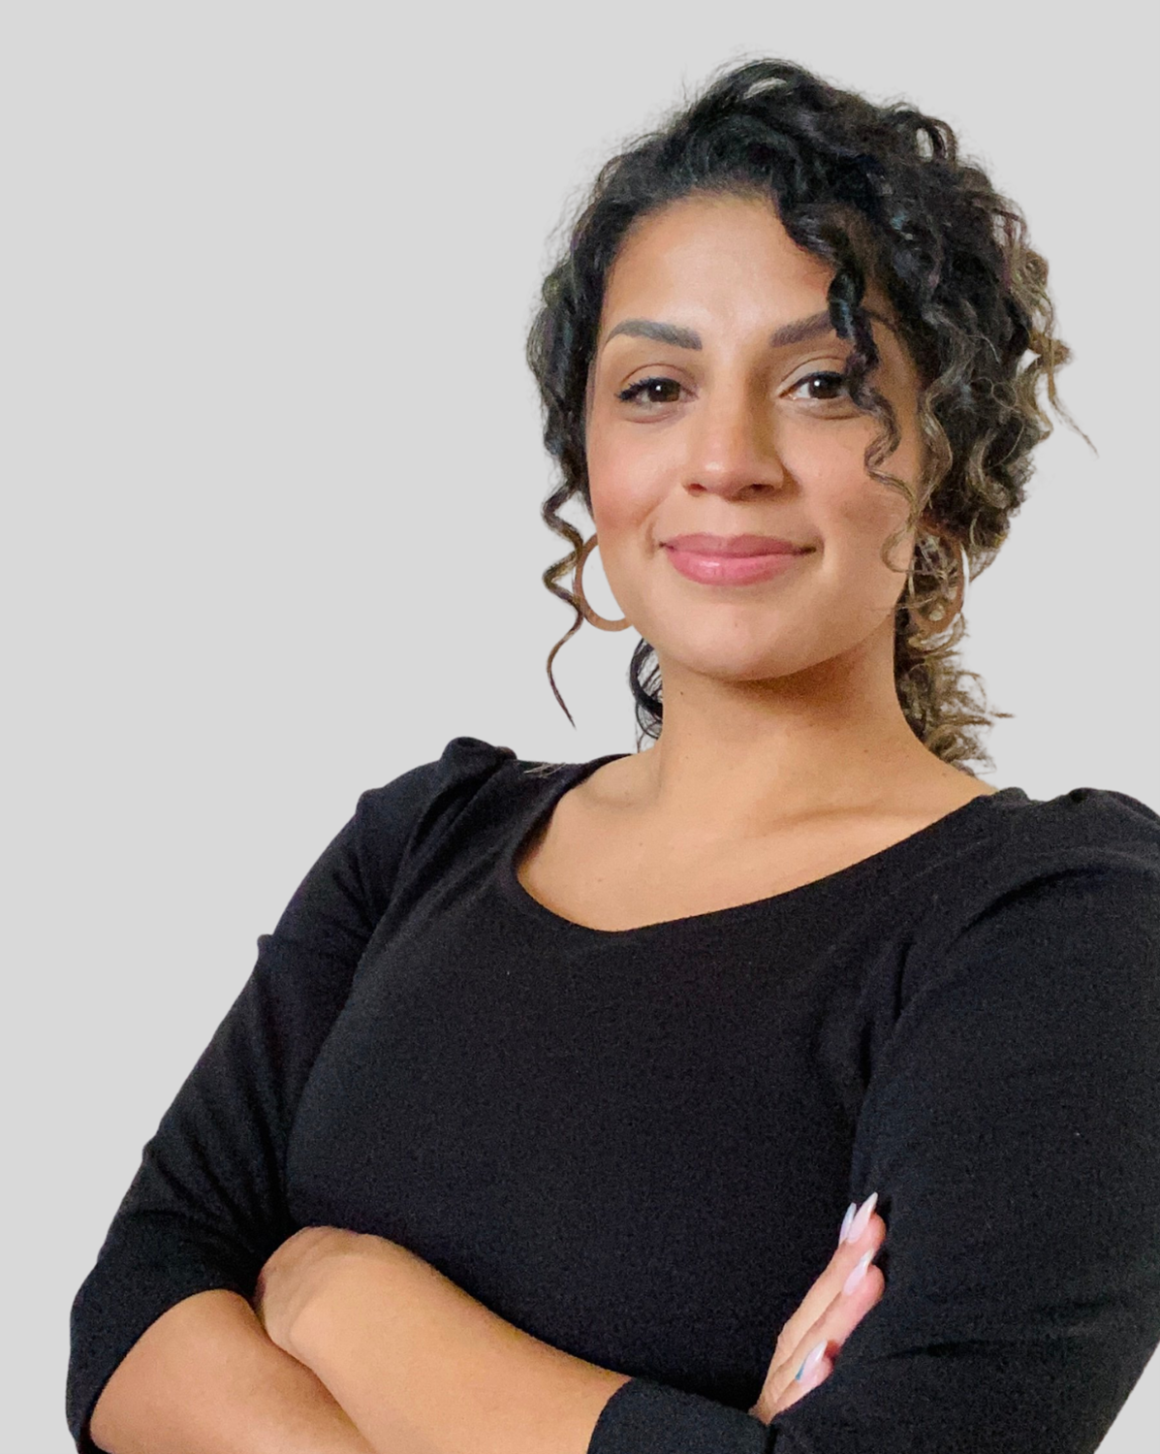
[[858, 1225], [811, 1361], [858, 1273], [846, 1220]]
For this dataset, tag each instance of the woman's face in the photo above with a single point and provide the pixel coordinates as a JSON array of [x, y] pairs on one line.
[[738, 436]]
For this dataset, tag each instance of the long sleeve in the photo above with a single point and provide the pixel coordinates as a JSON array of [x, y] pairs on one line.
[[207, 1205], [1011, 1127]]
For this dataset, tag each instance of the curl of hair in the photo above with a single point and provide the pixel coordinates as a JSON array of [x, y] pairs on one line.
[[880, 193]]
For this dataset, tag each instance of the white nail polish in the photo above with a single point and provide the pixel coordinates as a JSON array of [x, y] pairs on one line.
[[858, 1273], [858, 1225], [846, 1220], [812, 1359]]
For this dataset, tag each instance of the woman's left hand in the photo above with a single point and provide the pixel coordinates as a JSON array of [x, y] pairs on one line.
[[296, 1273]]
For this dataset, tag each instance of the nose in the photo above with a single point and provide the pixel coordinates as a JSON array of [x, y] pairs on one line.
[[733, 446]]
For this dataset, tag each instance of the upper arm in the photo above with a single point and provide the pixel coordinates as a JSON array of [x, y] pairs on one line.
[[1012, 1131], [207, 1205]]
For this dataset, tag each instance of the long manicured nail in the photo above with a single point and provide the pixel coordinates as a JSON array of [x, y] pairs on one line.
[[858, 1225], [846, 1220], [858, 1273], [811, 1361]]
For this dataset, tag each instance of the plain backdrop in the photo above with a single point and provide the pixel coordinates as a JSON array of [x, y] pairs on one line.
[[273, 470]]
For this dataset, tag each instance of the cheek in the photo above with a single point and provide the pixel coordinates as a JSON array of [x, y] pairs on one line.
[[622, 484], [830, 465], [616, 513], [835, 493]]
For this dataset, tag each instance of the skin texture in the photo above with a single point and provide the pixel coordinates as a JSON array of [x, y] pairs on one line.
[[205, 1379], [779, 697]]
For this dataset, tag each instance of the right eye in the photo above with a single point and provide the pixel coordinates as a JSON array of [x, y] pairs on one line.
[[635, 391]]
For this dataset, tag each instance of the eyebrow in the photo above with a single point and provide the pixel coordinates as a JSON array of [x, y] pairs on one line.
[[801, 330]]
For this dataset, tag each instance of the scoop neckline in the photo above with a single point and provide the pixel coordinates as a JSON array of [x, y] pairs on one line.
[[571, 774]]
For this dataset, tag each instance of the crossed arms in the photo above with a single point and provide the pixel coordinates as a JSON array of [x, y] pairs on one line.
[[364, 1350]]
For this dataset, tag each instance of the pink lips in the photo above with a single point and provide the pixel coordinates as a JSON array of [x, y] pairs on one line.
[[734, 544], [732, 559]]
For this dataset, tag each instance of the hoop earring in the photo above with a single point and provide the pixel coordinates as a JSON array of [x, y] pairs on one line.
[[586, 610], [951, 609]]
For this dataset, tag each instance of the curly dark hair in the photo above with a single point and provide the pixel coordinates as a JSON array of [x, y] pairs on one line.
[[880, 193]]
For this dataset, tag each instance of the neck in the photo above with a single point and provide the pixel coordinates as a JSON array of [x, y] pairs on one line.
[[737, 759]]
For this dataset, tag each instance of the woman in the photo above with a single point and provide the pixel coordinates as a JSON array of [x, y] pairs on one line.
[[536, 1117]]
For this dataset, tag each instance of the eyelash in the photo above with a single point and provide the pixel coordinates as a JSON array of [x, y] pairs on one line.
[[632, 393]]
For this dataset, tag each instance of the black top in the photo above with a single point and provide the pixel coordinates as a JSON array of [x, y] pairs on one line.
[[638, 1144]]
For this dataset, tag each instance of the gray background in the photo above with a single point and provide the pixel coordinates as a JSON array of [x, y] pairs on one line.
[[272, 527]]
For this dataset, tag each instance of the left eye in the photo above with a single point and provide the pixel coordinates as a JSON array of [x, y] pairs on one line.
[[836, 382]]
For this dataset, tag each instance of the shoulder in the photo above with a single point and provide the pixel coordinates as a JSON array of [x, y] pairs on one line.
[[390, 821], [469, 774], [1036, 944], [1013, 837], [442, 784], [1104, 810], [1096, 828], [1062, 879]]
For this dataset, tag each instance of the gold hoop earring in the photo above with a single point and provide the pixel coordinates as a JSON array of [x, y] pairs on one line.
[[586, 610]]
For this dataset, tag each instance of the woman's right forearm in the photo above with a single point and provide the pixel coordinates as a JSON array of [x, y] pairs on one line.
[[205, 1379]]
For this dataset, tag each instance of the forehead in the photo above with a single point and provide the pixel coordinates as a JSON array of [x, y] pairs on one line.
[[719, 259], [696, 240]]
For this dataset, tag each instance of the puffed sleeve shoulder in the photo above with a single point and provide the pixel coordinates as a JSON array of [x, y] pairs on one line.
[[1011, 1128], [206, 1207]]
